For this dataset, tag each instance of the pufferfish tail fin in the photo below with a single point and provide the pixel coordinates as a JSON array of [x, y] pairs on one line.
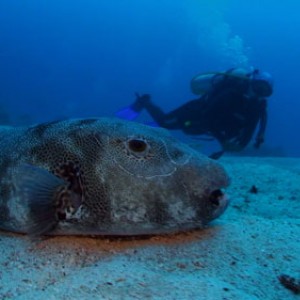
[[39, 188]]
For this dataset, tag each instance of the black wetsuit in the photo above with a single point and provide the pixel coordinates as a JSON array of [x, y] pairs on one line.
[[226, 112]]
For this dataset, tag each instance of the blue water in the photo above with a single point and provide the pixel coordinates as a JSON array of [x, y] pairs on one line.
[[68, 58]]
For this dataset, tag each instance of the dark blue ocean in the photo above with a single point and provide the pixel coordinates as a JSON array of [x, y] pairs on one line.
[[71, 58]]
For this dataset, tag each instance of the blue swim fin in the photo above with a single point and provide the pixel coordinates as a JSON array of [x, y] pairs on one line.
[[127, 113]]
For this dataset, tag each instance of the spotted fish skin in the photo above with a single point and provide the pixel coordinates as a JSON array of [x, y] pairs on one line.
[[104, 176]]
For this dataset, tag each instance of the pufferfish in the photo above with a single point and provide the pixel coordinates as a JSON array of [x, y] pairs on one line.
[[104, 176]]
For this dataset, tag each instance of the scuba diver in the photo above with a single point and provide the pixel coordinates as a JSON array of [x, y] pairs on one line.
[[232, 104]]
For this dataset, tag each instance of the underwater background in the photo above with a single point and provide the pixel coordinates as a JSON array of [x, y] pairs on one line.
[[87, 58], [63, 58]]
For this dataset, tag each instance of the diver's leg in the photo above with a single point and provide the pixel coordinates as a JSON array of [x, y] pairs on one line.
[[144, 102], [169, 120], [156, 113], [166, 120]]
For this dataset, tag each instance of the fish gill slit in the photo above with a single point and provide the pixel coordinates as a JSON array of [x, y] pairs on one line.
[[171, 159], [145, 176]]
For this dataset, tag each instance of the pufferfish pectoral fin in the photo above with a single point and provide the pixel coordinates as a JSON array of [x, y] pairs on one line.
[[38, 188]]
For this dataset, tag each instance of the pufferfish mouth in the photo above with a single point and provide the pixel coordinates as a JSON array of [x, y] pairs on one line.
[[220, 201]]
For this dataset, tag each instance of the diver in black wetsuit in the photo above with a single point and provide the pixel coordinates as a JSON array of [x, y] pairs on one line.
[[229, 111]]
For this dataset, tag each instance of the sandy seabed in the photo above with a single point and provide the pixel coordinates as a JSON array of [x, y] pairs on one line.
[[239, 256]]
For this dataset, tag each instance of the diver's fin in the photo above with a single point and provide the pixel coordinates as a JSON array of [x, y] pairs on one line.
[[127, 113], [38, 188]]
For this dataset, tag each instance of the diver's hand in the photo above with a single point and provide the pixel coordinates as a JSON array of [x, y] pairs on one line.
[[216, 155], [258, 141], [232, 146]]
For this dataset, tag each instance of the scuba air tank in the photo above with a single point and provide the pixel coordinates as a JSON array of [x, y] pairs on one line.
[[203, 82]]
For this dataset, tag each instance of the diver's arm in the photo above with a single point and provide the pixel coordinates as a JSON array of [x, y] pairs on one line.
[[246, 133], [260, 137]]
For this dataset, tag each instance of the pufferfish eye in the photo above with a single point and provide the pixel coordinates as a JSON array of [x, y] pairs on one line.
[[137, 145]]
